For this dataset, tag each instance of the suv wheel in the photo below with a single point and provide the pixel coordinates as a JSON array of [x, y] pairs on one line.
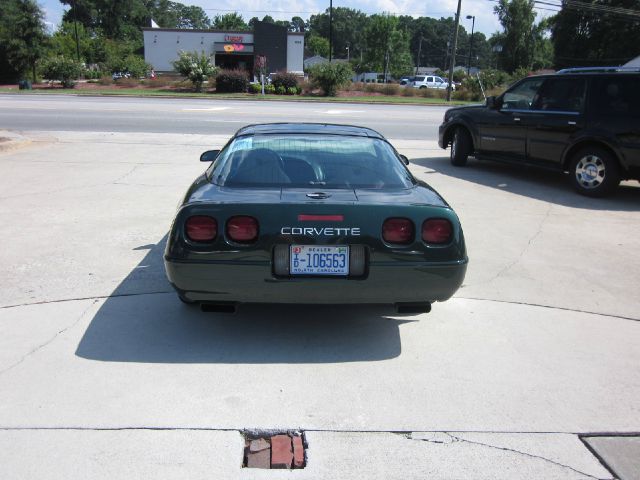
[[594, 172], [460, 147]]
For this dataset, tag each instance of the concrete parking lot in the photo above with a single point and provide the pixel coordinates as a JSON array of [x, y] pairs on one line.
[[105, 374]]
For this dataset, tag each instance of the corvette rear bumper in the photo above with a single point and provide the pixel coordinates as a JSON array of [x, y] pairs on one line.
[[240, 282]]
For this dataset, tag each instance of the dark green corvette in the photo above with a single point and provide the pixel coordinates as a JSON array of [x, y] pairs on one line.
[[314, 214]]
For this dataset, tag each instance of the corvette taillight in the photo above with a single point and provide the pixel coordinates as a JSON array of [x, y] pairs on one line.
[[242, 229], [437, 231], [398, 230], [201, 228]]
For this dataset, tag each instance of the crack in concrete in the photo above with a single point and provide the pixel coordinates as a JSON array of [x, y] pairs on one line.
[[458, 439], [118, 180], [510, 265], [84, 187], [553, 307], [43, 345], [98, 297]]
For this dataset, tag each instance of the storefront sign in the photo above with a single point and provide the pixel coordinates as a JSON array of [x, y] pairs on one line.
[[233, 48], [233, 38]]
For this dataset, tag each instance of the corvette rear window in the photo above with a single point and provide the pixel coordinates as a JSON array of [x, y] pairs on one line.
[[303, 160]]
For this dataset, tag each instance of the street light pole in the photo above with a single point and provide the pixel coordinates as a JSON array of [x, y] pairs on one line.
[[473, 24], [453, 52]]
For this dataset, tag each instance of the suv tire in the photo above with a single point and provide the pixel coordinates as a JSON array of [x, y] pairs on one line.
[[460, 147], [594, 172]]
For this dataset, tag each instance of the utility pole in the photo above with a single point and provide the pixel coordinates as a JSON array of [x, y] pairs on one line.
[[330, 27], [473, 24], [453, 52], [75, 26], [419, 53]]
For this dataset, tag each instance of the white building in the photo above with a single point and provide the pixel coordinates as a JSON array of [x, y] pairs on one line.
[[229, 49]]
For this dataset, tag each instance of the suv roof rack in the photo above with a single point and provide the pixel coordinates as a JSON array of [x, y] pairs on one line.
[[598, 69]]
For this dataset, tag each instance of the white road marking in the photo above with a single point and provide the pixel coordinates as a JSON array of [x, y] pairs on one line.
[[340, 112], [212, 109]]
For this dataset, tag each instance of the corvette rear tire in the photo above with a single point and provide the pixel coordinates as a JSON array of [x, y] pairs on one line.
[[594, 172], [460, 147]]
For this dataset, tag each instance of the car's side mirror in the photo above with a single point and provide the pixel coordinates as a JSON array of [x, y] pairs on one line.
[[209, 155], [404, 159], [493, 102]]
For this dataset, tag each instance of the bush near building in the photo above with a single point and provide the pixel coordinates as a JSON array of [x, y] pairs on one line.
[[66, 70], [196, 67], [232, 81], [284, 79]]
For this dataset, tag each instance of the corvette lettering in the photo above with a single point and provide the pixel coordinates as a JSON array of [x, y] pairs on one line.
[[326, 231]]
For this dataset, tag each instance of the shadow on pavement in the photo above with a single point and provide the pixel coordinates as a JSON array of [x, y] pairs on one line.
[[534, 183], [134, 325]]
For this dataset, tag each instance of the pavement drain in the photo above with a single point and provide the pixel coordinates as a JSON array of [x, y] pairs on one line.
[[276, 450]]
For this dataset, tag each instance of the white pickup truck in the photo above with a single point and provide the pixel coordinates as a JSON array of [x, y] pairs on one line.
[[430, 81]]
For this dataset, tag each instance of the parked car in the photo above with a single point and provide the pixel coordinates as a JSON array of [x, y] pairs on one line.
[[313, 214], [118, 75], [406, 80], [582, 121], [430, 81]]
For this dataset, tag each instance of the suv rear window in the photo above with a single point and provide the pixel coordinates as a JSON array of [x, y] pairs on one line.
[[560, 95], [617, 96]]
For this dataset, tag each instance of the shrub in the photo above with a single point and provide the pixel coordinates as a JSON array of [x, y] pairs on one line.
[[284, 79], [269, 89], [390, 89], [232, 81], [292, 90], [196, 67], [64, 69], [331, 76], [280, 90], [408, 92], [134, 65], [127, 82], [105, 80], [371, 88], [255, 88]]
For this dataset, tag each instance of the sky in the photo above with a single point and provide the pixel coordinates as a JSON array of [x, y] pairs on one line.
[[486, 21]]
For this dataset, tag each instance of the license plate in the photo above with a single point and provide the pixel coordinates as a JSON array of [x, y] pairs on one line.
[[316, 260]]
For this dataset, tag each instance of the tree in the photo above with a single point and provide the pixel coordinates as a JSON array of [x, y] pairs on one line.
[[22, 36], [585, 37], [230, 21], [387, 47], [318, 46], [196, 67], [331, 76], [65, 69], [348, 27], [517, 18], [298, 24]]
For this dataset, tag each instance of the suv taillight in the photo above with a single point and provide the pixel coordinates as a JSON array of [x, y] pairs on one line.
[[398, 230], [201, 228], [242, 229], [437, 230]]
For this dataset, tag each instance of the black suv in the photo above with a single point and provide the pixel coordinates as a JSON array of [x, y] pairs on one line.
[[583, 121]]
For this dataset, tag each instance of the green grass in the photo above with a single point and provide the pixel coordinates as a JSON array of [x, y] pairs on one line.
[[145, 92]]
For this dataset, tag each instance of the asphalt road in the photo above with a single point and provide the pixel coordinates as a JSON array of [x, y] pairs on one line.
[[205, 116], [104, 374]]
